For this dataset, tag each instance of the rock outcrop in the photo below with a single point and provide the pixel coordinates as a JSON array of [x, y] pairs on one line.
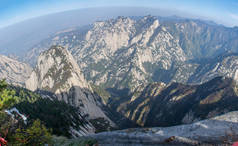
[[223, 65], [57, 72], [221, 130], [13, 71], [127, 52]]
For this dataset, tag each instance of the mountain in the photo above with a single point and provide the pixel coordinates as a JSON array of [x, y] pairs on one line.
[[57, 72], [222, 65], [158, 104], [18, 38], [118, 58], [131, 51], [139, 72], [13, 71], [63, 119], [220, 130]]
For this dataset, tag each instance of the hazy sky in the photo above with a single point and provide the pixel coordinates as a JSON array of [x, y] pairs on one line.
[[221, 11]]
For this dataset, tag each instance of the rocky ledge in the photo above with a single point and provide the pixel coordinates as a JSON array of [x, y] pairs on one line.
[[216, 131]]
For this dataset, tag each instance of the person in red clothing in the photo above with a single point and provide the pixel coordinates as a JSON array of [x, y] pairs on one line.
[[235, 144], [2, 141]]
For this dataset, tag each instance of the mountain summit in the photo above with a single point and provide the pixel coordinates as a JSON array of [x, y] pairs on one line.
[[130, 51], [57, 72], [119, 52]]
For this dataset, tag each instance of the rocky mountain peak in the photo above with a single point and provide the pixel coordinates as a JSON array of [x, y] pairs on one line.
[[127, 52], [121, 52], [149, 19], [128, 45], [56, 71]]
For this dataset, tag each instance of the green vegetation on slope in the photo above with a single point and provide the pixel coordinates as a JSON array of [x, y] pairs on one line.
[[55, 114], [13, 129], [101, 92]]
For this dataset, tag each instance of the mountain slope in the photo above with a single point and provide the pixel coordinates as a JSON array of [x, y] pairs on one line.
[[13, 71], [158, 104], [130, 51], [62, 118], [118, 53], [222, 65], [202, 40], [58, 73]]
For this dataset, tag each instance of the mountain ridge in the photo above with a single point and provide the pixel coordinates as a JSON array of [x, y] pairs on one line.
[[57, 72], [13, 71], [24, 37], [158, 104], [127, 52]]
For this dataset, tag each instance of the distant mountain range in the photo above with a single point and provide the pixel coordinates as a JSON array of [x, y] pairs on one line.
[[130, 51], [18, 38]]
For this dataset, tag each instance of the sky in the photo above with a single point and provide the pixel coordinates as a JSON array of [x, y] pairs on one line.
[[221, 11]]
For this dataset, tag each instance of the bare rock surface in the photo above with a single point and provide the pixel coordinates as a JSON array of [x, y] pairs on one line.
[[58, 73], [216, 131], [13, 71]]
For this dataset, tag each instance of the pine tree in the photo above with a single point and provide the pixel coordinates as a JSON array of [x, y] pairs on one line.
[[7, 96], [36, 134]]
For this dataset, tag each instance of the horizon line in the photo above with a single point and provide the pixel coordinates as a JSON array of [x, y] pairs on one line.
[[192, 16]]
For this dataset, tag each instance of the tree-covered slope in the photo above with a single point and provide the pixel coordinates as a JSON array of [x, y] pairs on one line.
[[62, 118]]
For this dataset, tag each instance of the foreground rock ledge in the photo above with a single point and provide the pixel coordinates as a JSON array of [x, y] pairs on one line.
[[219, 130]]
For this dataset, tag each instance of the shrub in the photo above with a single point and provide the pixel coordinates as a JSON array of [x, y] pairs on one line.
[[36, 134]]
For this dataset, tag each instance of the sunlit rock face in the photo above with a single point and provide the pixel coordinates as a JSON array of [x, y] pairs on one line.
[[127, 52], [57, 72], [54, 67], [224, 65], [13, 71], [120, 52]]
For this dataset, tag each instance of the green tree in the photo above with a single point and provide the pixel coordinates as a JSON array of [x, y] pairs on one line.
[[35, 135], [14, 129], [7, 97]]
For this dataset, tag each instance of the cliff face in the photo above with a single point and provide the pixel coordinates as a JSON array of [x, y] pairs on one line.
[[127, 52], [223, 65], [58, 73], [13, 71], [120, 52]]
